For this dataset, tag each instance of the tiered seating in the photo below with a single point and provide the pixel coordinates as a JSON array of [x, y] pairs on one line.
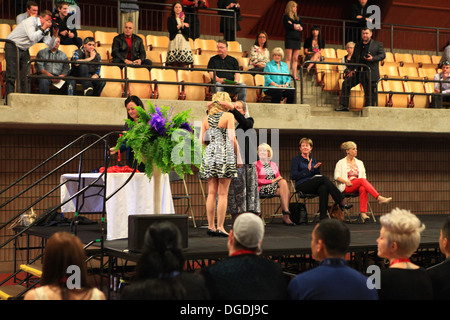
[[112, 89], [192, 92], [165, 91], [103, 38], [68, 49], [142, 90]]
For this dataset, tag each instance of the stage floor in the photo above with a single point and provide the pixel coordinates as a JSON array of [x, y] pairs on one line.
[[279, 240]]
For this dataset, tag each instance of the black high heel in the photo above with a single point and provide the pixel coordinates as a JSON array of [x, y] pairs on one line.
[[346, 206], [211, 233], [290, 224]]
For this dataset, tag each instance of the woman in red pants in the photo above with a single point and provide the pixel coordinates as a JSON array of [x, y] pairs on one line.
[[350, 175]]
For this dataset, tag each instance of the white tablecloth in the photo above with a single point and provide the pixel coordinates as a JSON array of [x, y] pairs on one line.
[[136, 197]]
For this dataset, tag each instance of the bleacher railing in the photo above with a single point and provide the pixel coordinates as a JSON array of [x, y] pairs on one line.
[[126, 80]]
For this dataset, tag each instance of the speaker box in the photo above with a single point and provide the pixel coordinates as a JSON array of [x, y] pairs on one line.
[[139, 223]]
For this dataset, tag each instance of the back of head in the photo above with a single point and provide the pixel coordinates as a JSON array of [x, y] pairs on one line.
[[161, 254], [446, 228], [335, 235], [61, 251], [248, 231], [216, 107], [404, 228]]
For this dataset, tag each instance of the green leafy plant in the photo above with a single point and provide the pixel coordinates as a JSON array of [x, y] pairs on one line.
[[165, 141]]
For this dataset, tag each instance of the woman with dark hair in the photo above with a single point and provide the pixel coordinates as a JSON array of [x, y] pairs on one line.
[[314, 46], [130, 103], [159, 272], [259, 53], [62, 252], [179, 50]]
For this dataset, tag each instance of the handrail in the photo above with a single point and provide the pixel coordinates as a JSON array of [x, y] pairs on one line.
[[337, 64], [103, 175], [127, 80]]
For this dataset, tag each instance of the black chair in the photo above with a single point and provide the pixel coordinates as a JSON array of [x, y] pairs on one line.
[[304, 197], [264, 198], [347, 212], [175, 178]]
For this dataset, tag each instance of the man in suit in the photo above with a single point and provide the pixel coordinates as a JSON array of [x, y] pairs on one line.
[[440, 273], [369, 52]]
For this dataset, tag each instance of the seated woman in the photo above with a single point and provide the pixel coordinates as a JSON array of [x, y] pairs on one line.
[[399, 239], [259, 53], [308, 179], [314, 46], [270, 182], [279, 81], [350, 175]]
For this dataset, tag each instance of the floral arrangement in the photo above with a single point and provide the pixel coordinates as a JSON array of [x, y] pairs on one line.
[[162, 140]]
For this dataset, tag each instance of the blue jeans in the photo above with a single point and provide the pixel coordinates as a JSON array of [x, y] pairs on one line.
[[240, 90]]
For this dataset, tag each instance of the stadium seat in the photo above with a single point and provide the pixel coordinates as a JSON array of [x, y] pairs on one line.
[[68, 49], [389, 70], [201, 45], [422, 59], [201, 60], [249, 80], [409, 72], [234, 46], [340, 53], [417, 101], [435, 59], [165, 91], [356, 100], [112, 89], [34, 49], [157, 42], [382, 97], [105, 53], [190, 92], [329, 53], [403, 58], [142, 90], [389, 57], [330, 80], [155, 57], [396, 100], [427, 73], [103, 38], [85, 33]]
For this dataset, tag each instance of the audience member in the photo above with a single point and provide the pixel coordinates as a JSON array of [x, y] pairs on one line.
[[32, 11], [245, 275], [87, 53], [270, 181], [179, 51], [51, 69], [350, 46], [159, 271], [399, 239], [129, 48], [129, 12], [445, 54], [219, 161], [314, 46], [442, 87], [359, 16], [223, 61], [333, 278], [27, 33], [74, 9], [276, 80], [62, 252], [369, 52], [228, 25], [191, 9], [350, 175], [130, 104], [243, 195], [259, 53], [440, 273], [293, 36], [305, 170], [67, 33]]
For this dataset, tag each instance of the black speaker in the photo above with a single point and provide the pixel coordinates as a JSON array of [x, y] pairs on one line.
[[139, 223]]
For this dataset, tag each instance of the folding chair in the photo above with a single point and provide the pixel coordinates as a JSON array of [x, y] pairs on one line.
[[347, 212], [264, 198], [304, 197]]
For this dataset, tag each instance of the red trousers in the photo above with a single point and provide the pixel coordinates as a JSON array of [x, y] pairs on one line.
[[363, 187]]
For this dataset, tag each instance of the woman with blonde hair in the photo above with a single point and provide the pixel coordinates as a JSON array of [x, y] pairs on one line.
[[220, 160], [399, 238], [270, 181], [278, 81], [350, 175], [293, 36]]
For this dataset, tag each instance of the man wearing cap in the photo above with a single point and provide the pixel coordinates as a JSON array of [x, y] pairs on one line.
[[333, 279], [245, 275]]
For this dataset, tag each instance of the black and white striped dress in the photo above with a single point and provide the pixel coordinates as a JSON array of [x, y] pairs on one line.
[[219, 160]]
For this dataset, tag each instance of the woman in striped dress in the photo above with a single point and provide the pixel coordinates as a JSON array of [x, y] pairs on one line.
[[219, 162]]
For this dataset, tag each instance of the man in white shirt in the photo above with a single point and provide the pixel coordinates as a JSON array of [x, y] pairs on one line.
[[27, 33], [32, 11]]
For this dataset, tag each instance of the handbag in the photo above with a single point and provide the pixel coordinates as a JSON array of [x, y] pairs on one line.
[[336, 212], [299, 215]]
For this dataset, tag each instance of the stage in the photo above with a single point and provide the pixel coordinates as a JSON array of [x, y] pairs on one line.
[[280, 241]]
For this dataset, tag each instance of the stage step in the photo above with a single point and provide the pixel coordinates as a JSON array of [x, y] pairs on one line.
[[10, 292], [35, 270]]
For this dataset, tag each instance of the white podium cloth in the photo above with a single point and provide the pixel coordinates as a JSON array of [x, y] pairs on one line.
[[136, 197]]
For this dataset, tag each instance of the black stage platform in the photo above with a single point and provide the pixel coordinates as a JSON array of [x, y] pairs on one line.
[[279, 240]]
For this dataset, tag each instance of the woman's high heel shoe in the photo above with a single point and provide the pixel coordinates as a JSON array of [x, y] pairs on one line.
[[383, 200], [287, 213], [211, 233]]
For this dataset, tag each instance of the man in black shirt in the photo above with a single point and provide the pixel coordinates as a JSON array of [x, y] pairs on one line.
[[223, 61], [368, 52]]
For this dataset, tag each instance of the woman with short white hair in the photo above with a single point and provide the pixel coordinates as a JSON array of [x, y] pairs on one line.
[[278, 80], [399, 238]]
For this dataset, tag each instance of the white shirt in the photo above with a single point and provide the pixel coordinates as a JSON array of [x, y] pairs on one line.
[[27, 33], [342, 172]]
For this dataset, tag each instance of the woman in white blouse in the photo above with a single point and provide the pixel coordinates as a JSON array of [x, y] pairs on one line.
[[259, 53], [350, 175]]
